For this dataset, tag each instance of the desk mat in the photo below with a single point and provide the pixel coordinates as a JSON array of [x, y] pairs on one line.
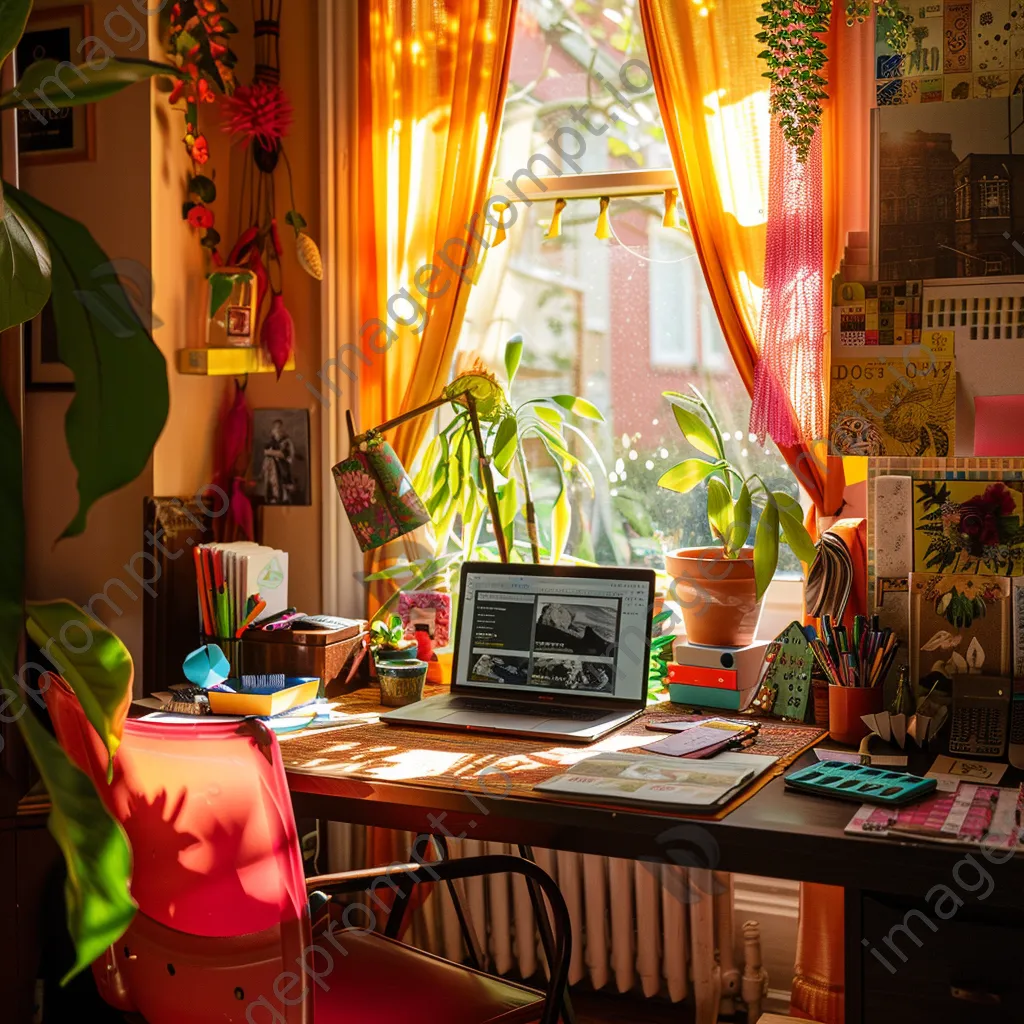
[[369, 750]]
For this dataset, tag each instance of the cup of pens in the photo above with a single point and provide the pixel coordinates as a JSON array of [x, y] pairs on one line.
[[856, 663]]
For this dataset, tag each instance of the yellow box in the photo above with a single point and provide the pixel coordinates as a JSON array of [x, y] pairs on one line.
[[302, 691]]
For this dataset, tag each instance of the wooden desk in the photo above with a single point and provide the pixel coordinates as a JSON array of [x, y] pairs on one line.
[[775, 833]]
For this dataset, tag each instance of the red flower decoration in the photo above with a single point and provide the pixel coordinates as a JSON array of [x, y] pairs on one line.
[[200, 216], [200, 151], [261, 111], [177, 90]]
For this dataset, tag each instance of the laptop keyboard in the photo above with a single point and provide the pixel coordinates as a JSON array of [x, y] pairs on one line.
[[515, 707]]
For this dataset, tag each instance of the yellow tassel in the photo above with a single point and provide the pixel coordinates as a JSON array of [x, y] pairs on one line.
[[309, 256], [671, 219], [499, 232], [556, 220], [604, 228]]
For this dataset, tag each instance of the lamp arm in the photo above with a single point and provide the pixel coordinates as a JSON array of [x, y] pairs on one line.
[[387, 425], [485, 472]]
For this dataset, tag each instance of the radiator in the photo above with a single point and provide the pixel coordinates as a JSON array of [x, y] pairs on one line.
[[653, 930]]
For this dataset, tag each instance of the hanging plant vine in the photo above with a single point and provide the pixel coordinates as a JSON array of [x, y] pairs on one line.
[[796, 55]]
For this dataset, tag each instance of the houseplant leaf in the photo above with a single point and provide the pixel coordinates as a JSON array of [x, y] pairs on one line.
[[121, 396], [44, 87], [720, 513], [696, 431], [101, 675], [687, 475], [24, 267], [561, 520], [578, 406], [96, 850], [793, 529], [13, 18], [513, 356], [505, 443], [766, 548], [508, 506], [741, 519]]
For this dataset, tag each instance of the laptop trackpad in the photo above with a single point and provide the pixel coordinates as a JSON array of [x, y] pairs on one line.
[[492, 720]]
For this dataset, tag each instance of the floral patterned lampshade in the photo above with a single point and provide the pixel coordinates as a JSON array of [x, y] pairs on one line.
[[377, 493]]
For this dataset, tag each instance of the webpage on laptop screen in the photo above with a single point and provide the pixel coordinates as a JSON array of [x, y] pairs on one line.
[[567, 634]]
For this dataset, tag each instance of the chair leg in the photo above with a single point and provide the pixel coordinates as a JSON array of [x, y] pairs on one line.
[[547, 939]]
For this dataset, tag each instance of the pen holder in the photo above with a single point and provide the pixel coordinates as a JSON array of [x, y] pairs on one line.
[[232, 649], [846, 704]]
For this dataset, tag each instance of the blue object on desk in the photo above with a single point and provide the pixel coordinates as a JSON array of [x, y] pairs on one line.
[[206, 666], [860, 782]]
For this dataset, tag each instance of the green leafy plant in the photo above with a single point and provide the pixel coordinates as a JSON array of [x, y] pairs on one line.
[[389, 635], [118, 411], [661, 655], [731, 496], [796, 55]]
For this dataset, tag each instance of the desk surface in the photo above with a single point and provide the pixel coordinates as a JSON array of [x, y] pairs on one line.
[[774, 833]]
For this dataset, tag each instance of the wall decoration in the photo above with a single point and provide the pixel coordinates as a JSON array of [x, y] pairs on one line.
[[43, 369], [963, 526], [946, 190], [894, 526], [959, 624], [280, 456], [876, 313], [232, 306], [56, 136], [429, 608], [892, 405], [892, 606]]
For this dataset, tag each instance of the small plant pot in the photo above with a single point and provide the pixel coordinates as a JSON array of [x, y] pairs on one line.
[[404, 653], [717, 595], [845, 706], [401, 682]]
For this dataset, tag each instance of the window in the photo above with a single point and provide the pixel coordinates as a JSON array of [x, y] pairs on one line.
[[994, 198], [963, 201], [615, 321]]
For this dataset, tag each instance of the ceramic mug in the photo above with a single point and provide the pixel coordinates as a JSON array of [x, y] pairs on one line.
[[845, 706]]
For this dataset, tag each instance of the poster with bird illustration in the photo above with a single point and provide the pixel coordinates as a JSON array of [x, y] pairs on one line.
[[893, 404], [959, 625]]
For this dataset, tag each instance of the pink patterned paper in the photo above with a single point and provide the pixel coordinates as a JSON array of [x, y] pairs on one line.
[[429, 607]]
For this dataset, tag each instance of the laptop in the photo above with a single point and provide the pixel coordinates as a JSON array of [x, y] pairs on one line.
[[558, 652]]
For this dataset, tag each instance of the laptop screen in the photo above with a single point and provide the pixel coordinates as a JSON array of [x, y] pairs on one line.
[[586, 635]]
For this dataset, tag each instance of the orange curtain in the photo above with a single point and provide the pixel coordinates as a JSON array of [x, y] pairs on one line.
[[432, 81], [714, 102]]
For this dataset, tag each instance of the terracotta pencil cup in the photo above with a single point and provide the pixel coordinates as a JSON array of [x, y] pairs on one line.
[[845, 706]]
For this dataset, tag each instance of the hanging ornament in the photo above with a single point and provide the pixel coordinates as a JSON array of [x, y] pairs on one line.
[[277, 336], [789, 390], [555, 228], [671, 218], [604, 227], [232, 452]]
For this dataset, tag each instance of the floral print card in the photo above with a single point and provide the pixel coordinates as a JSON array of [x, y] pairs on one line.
[[960, 624], [969, 526]]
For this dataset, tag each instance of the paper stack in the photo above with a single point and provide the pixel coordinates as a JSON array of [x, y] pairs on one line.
[[238, 583]]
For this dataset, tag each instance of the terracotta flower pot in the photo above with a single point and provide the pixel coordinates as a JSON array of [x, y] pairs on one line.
[[717, 595]]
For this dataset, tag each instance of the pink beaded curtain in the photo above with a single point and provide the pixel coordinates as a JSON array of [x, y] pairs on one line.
[[789, 381]]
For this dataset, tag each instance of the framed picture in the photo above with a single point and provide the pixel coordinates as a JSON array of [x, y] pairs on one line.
[[56, 136], [43, 369], [280, 456]]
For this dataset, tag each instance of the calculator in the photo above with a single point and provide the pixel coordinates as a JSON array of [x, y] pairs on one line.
[[981, 715]]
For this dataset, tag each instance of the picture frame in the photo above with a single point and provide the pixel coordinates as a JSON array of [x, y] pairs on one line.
[[44, 370], [281, 456], [62, 136]]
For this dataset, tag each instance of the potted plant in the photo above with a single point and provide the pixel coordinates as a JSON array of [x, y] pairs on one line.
[[388, 642], [720, 588]]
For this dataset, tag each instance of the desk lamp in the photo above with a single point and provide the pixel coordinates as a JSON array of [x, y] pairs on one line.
[[377, 492]]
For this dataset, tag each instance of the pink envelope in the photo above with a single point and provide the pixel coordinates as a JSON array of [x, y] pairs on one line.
[[999, 425]]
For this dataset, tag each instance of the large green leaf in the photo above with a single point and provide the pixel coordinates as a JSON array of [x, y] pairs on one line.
[[96, 850], [12, 529], [766, 547], [720, 509], [793, 529], [24, 266], [508, 507], [91, 659], [13, 16], [561, 520], [687, 475], [696, 431], [506, 443], [742, 516], [513, 356], [578, 406], [46, 84], [121, 396]]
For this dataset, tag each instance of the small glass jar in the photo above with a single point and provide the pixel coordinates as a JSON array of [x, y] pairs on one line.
[[232, 304], [401, 682]]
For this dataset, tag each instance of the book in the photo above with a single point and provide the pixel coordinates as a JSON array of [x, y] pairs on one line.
[[657, 780]]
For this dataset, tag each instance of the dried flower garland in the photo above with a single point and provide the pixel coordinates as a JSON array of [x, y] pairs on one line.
[[796, 57]]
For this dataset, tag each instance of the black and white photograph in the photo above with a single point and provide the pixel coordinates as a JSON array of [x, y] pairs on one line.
[[948, 189], [577, 626], [280, 456], [495, 668], [574, 674]]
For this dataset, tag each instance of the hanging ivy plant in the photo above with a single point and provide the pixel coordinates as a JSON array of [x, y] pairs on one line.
[[796, 55]]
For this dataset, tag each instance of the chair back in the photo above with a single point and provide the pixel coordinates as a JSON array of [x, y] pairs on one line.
[[217, 870]]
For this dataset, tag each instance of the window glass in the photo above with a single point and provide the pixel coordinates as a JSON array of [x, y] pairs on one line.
[[616, 321]]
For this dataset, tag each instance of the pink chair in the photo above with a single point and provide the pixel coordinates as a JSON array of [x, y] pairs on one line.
[[223, 932]]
